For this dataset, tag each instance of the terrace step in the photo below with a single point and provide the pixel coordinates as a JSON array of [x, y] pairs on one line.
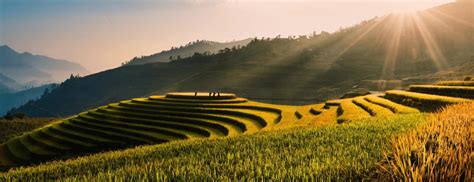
[[159, 124], [66, 135], [243, 123], [423, 102], [142, 130], [350, 111], [394, 107], [452, 91], [219, 129], [36, 147], [188, 101], [372, 109], [218, 111], [18, 151], [456, 83], [78, 133], [111, 132], [222, 106], [50, 141], [200, 96]]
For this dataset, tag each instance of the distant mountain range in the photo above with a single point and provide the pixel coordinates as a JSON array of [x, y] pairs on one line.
[[8, 85], [25, 70], [15, 99], [293, 70], [200, 46]]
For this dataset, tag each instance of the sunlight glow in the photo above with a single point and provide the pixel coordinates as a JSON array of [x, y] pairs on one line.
[[388, 71], [433, 48]]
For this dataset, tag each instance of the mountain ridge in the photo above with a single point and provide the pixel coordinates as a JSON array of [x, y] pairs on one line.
[[199, 46], [287, 70], [33, 70]]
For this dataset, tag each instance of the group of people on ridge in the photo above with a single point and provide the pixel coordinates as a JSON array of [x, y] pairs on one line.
[[213, 94]]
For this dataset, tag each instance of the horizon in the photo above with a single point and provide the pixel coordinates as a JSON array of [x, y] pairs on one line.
[[102, 35]]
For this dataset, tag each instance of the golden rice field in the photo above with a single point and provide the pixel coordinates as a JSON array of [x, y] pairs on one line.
[[223, 137]]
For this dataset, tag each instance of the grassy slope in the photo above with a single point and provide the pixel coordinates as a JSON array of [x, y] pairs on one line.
[[9, 129], [334, 151]]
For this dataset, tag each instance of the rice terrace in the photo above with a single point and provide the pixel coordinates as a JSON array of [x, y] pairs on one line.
[[388, 99]]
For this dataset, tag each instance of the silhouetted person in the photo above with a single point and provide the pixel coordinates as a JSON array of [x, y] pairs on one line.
[[213, 94], [195, 94], [210, 94], [218, 94]]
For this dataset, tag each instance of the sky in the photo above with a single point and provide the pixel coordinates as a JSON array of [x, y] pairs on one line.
[[102, 34]]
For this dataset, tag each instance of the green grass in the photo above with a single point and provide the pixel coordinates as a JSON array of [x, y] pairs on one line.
[[10, 129], [336, 152], [456, 83], [453, 91]]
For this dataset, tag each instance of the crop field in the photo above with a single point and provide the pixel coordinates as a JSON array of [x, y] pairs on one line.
[[151, 120], [194, 124], [440, 150], [452, 91], [424, 102], [336, 152]]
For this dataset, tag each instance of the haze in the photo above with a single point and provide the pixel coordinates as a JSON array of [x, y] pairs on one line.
[[102, 34]]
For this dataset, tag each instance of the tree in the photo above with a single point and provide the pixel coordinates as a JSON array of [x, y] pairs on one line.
[[46, 91], [8, 116]]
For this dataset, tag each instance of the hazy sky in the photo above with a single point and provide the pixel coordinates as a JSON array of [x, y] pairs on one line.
[[102, 34]]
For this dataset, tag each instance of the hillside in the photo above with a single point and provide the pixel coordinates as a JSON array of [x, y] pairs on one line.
[[456, 73], [15, 99], [181, 116], [288, 70], [200, 46], [8, 85], [34, 70], [183, 120]]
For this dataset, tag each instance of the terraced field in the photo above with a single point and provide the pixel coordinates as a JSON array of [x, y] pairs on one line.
[[152, 120], [180, 116], [424, 98]]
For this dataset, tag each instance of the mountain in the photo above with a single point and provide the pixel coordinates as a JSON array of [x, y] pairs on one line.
[[291, 70], [15, 99], [8, 85], [200, 46], [456, 73], [28, 69]]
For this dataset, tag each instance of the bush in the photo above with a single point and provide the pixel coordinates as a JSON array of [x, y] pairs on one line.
[[8, 116]]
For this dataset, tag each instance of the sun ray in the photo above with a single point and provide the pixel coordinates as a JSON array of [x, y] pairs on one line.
[[388, 70], [434, 52], [452, 18], [439, 21], [358, 38]]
